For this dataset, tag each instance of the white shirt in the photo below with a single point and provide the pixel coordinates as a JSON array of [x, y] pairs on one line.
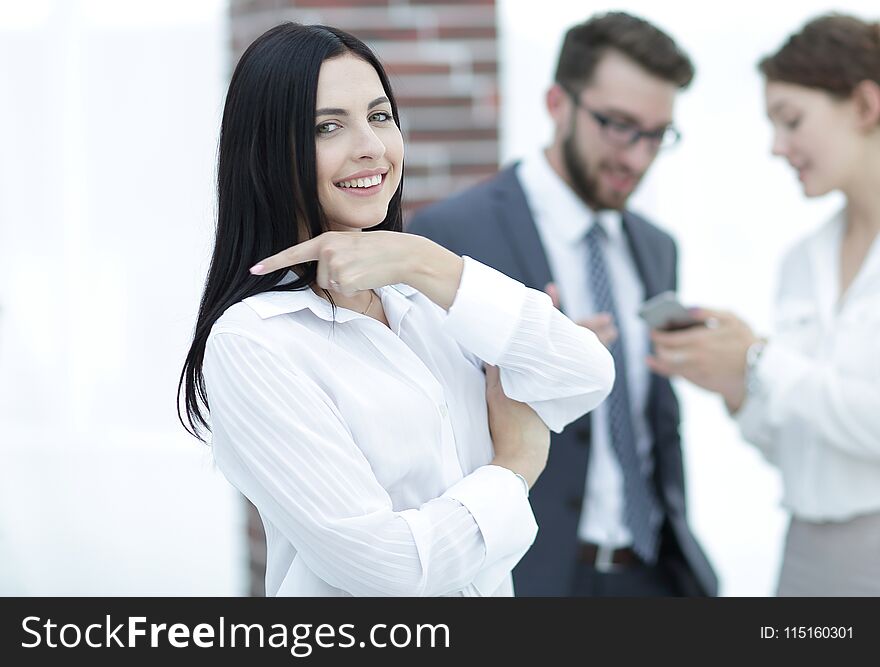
[[563, 221], [365, 448], [816, 412]]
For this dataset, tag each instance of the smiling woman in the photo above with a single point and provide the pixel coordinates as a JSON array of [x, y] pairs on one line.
[[359, 147], [384, 403]]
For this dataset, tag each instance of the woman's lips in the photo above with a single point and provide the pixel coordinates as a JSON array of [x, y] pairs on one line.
[[362, 191]]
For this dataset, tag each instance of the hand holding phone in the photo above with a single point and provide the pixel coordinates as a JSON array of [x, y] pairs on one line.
[[666, 313]]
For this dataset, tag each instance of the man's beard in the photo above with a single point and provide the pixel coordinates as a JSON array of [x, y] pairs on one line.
[[586, 185]]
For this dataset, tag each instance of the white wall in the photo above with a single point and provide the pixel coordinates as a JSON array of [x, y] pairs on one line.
[[108, 128], [733, 208]]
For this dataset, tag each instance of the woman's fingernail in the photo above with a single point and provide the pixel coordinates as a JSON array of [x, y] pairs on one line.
[[257, 269]]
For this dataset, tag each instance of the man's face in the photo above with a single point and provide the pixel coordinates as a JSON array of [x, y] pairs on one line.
[[602, 171]]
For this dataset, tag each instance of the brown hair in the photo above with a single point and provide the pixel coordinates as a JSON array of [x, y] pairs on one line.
[[834, 53], [635, 38]]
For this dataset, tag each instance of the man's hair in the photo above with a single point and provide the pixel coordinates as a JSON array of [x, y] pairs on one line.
[[833, 53], [635, 38]]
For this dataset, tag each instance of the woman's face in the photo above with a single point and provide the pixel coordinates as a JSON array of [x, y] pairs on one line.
[[359, 146], [817, 133]]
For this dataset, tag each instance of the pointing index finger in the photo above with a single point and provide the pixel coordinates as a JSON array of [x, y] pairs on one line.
[[307, 251]]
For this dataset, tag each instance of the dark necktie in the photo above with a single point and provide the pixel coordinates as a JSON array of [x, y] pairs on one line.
[[642, 510]]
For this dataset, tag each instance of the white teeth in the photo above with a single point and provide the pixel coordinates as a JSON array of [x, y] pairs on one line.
[[362, 182]]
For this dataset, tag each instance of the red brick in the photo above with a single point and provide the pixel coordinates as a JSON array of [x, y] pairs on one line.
[[485, 67], [456, 134], [466, 32], [399, 69], [389, 33], [257, 550], [439, 5], [320, 4], [452, 101], [239, 7], [452, 170]]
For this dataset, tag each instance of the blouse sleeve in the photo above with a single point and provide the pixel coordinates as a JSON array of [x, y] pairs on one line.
[[280, 440], [559, 368], [794, 386], [844, 411]]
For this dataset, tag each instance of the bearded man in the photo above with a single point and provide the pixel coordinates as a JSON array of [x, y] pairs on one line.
[[610, 505]]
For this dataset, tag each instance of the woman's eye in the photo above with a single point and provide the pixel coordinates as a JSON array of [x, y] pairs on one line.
[[380, 117], [327, 128], [793, 124]]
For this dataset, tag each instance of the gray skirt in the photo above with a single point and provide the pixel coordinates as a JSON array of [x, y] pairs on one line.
[[832, 558]]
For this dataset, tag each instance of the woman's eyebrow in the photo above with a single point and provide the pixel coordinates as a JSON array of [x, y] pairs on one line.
[[332, 111]]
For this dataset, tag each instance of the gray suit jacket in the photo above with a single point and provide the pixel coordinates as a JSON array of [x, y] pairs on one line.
[[491, 222]]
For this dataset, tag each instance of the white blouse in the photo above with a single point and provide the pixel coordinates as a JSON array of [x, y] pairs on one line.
[[366, 448], [816, 412]]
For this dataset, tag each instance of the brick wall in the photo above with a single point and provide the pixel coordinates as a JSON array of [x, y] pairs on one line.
[[442, 59]]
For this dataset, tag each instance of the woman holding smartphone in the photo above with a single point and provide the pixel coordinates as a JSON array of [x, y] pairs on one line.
[[809, 396], [343, 368]]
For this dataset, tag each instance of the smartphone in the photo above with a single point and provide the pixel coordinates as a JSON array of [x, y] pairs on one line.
[[666, 313]]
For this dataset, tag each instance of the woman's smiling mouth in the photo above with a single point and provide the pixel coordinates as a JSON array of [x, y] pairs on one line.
[[363, 185]]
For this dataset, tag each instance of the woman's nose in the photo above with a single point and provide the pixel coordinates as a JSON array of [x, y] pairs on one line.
[[369, 145], [779, 147]]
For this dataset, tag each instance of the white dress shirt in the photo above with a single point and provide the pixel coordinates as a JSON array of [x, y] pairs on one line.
[[816, 410], [366, 448], [563, 221]]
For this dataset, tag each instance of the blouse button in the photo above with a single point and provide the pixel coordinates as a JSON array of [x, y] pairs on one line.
[[444, 411]]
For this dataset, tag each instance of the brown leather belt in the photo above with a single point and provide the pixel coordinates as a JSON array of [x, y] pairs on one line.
[[604, 558]]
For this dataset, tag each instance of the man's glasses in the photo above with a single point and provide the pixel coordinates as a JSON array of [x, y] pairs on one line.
[[623, 135]]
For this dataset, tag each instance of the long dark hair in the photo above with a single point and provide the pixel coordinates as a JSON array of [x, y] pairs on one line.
[[267, 180]]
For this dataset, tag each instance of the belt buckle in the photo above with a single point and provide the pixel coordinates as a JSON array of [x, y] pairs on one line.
[[605, 559]]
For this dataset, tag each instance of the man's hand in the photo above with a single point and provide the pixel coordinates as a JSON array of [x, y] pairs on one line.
[[601, 324]]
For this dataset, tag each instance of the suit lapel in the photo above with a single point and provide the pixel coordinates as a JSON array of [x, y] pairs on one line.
[[516, 225], [645, 259]]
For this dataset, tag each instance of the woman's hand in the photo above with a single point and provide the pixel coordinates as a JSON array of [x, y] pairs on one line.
[[711, 356], [520, 437], [351, 262]]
